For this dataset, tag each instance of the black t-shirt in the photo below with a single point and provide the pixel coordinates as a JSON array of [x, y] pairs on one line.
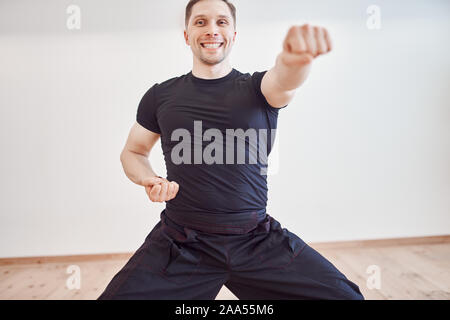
[[183, 110]]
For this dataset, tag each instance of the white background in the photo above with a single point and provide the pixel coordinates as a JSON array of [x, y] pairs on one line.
[[364, 149]]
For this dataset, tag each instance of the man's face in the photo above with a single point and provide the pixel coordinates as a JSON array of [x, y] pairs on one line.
[[210, 32]]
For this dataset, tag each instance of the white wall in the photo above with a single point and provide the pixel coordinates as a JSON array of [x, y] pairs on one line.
[[364, 149]]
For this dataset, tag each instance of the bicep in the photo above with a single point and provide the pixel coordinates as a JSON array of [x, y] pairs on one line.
[[141, 140], [274, 95]]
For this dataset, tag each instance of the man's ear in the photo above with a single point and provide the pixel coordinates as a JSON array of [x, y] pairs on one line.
[[234, 37], [186, 38]]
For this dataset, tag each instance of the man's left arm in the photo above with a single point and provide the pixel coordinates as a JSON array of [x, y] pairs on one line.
[[301, 46]]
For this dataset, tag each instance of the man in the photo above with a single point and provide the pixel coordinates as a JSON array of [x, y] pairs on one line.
[[215, 230]]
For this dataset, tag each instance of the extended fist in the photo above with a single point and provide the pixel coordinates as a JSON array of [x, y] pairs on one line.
[[304, 43], [160, 189]]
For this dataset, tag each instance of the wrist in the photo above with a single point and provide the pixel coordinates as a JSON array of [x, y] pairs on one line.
[[143, 181]]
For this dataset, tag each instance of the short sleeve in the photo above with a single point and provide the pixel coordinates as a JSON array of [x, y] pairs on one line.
[[256, 80], [146, 114]]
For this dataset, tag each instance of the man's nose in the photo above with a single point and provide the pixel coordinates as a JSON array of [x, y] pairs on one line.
[[212, 31]]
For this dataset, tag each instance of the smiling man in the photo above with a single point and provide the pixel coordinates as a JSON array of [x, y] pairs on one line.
[[215, 230]]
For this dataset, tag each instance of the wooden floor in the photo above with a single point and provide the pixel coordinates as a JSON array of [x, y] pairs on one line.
[[407, 271]]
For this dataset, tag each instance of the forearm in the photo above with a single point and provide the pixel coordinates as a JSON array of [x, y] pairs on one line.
[[301, 46], [136, 166], [289, 76]]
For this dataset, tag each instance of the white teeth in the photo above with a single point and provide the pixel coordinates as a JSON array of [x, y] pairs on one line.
[[212, 46]]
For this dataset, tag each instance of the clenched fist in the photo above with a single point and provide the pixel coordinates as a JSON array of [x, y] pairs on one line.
[[304, 43], [160, 189]]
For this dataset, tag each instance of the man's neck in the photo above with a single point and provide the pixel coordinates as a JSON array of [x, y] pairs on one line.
[[204, 71]]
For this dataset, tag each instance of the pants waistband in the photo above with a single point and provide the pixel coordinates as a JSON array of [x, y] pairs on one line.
[[229, 223]]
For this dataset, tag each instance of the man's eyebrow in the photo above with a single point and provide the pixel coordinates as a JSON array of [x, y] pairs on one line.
[[204, 16]]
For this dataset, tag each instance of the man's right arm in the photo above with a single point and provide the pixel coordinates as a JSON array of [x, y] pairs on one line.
[[136, 165], [134, 156]]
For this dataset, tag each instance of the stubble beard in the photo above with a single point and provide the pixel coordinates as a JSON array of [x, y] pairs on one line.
[[212, 61]]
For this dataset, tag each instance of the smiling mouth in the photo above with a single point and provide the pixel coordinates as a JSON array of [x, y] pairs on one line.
[[212, 46]]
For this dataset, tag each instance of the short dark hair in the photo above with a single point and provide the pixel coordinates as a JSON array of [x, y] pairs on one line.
[[193, 2]]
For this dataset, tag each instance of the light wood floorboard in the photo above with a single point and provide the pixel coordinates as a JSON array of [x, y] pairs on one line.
[[408, 271]]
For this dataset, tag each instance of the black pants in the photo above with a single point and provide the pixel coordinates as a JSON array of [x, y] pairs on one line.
[[191, 257]]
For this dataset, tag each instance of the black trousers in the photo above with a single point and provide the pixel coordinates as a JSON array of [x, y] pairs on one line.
[[191, 256]]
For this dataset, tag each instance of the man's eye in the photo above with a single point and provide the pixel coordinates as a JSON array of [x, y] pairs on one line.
[[199, 21], [223, 21]]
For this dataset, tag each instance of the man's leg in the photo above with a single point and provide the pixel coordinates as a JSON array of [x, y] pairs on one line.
[[167, 266], [276, 264]]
